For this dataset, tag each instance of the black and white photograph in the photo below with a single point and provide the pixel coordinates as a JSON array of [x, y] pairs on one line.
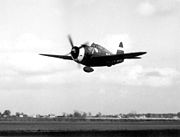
[[90, 68]]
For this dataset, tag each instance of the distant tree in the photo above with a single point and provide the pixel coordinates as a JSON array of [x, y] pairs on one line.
[[70, 115], [64, 114], [98, 114], [77, 114], [84, 115], [7, 113], [89, 114], [18, 114], [178, 114], [148, 115]]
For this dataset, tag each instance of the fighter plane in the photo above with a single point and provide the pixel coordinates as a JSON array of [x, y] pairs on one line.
[[95, 55]]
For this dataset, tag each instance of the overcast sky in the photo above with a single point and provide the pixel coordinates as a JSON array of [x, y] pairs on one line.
[[35, 84]]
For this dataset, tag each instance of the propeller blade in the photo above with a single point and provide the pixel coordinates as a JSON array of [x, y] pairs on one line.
[[70, 40]]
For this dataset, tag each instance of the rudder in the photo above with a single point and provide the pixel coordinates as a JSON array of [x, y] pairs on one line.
[[120, 51], [121, 44]]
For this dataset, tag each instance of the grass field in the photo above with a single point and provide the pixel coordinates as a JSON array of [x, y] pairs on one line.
[[71, 126], [103, 128]]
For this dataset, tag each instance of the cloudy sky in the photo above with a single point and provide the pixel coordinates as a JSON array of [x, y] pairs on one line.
[[34, 84]]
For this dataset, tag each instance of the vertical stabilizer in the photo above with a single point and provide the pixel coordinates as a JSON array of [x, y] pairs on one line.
[[121, 45], [120, 50]]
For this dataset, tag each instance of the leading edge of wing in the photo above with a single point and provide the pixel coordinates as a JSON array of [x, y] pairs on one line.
[[134, 55], [58, 56]]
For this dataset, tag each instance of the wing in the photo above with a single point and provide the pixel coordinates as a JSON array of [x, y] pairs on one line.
[[58, 56], [118, 56]]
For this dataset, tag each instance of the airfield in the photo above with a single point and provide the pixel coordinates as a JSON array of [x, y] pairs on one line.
[[96, 127]]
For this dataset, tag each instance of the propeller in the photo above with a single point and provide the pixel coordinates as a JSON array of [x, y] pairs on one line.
[[70, 41], [75, 50]]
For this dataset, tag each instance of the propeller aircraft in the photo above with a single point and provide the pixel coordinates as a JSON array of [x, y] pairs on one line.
[[95, 55]]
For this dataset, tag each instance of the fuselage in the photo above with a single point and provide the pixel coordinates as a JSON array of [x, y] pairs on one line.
[[88, 52]]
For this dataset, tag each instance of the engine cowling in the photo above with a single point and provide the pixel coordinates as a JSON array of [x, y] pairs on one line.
[[78, 54]]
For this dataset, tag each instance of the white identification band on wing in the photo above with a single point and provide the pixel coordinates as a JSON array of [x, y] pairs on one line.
[[81, 54]]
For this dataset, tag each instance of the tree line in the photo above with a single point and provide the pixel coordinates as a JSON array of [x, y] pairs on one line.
[[83, 115]]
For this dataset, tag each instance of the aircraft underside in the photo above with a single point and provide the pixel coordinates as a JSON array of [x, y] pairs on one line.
[[89, 64], [100, 63]]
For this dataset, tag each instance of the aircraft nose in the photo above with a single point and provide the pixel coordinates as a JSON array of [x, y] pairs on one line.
[[75, 52]]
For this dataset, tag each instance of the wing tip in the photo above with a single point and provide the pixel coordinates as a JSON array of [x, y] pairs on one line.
[[144, 52], [43, 54]]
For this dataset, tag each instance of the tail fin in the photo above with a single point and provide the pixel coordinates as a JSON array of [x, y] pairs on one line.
[[121, 44], [120, 51]]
